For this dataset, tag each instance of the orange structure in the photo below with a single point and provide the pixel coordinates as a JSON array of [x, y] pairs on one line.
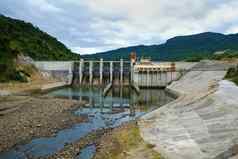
[[133, 57], [173, 67]]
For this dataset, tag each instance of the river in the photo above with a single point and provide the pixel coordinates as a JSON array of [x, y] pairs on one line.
[[122, 104]]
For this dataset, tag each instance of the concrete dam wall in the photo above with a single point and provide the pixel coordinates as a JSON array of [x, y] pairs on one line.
[[102, 72], [60, 70], [87, 72], [114, 72]]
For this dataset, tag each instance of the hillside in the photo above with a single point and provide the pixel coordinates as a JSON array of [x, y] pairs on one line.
[[30, 40], [177, 48], [18, 37]]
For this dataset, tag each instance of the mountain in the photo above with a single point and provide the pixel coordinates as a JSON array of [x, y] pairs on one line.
[[177, 48], [20, 38], [31, 41]]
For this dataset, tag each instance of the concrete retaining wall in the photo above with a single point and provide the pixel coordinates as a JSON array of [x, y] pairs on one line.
[[60, 70]]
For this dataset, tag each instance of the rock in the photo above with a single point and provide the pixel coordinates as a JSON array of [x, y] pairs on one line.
[[4, 93], [38, 125], [21, 59]]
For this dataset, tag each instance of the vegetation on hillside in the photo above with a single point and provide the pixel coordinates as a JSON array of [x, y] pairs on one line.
[[31, 41], [225, 55], [18, 37], [191, 47], [232, 74]]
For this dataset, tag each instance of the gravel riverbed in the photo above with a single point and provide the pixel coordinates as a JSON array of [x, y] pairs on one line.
[[23, 118], [121, 142]]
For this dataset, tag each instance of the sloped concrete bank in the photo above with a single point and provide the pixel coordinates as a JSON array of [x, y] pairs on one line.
[[202, 123]]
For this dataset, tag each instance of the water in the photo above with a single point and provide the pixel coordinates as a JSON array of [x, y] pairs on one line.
[[120, 106], [118, 97], [87, 153]]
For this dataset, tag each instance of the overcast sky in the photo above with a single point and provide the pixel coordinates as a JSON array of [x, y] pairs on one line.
[[88, 26]]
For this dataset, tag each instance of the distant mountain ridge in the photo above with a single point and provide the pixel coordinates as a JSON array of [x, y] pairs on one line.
[[177, 48]]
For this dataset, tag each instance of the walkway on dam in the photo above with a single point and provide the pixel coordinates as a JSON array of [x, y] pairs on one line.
[[202, 123]]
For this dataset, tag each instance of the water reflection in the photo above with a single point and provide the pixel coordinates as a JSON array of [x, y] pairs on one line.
[[118, 98]]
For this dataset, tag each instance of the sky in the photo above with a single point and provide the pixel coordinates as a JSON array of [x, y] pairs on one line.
[[90, 26]]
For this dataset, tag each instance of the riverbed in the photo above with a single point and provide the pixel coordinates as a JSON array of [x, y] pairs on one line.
[[121, 105]]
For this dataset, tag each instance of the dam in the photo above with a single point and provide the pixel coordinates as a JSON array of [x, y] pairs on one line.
[[87, 80], [143, 73], [189, 122]]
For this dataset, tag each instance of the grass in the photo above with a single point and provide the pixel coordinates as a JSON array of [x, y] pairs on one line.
[[126, 142]]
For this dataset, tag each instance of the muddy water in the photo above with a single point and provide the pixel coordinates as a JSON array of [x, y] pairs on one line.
[[120, 106]]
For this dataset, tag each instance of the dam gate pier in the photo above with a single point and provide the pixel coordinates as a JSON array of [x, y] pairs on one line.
[[102, 72]]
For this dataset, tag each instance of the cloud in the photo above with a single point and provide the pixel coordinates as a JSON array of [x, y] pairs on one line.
[[232, 30], [89, 50], [43, 5], [88, 26]]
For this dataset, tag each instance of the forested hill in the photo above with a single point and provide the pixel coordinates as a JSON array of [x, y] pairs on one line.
[[21, 38], [178, 48], [29, 40]]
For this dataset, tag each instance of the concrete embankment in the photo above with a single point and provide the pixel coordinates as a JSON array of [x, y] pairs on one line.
[[201, 123]]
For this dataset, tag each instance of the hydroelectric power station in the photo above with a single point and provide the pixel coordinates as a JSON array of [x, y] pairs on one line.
[[142, 73]]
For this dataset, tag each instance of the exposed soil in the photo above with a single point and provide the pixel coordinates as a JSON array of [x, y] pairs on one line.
[[23, 118], [20, 87], [125, 142]]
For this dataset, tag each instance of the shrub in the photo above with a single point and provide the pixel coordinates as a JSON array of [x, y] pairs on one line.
[[232, 74]]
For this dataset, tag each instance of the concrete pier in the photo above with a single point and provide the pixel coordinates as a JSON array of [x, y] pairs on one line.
[[101, 71], [81, 64], [148, 78], [111, 72], [132, 72], [121, 71], [70, 74], [91, 72]]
